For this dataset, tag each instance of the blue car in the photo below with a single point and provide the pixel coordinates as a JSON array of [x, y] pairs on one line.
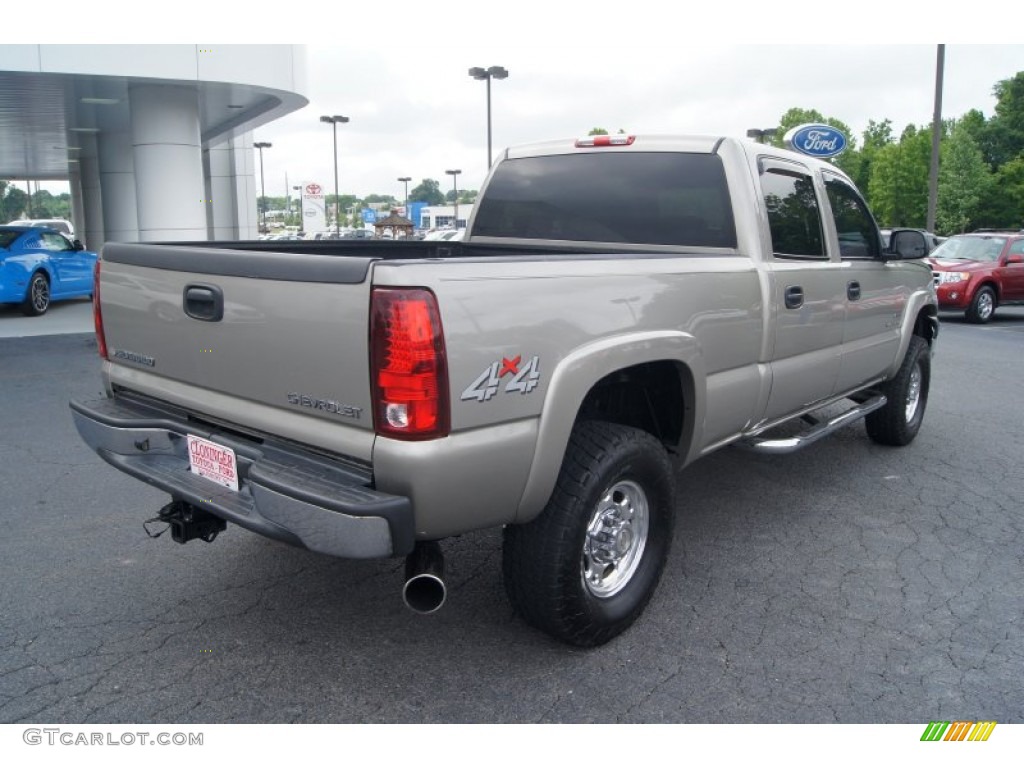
[[40, 265]]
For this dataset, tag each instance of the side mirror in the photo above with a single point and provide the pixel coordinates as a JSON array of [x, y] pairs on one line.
[[908, 244], [1015, 258], [78, 245]]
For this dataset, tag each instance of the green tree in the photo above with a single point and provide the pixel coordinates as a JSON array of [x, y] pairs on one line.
[[271, 202], [46, 205], [1006, 128], [598, 132], [427, 191], [465, 196], [875, 137], [972, 121], [14, 203], [898, 181], [1002, 203], [963, 180]]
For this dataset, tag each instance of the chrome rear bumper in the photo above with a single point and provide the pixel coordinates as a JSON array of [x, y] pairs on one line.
[[284, 493]]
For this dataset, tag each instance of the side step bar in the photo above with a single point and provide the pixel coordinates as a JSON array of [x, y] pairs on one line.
[[817, 431]]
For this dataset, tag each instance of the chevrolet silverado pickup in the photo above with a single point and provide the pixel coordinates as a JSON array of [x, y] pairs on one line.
[[619, 307]]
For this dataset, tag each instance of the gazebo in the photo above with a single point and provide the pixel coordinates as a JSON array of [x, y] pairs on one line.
[[399, 226]]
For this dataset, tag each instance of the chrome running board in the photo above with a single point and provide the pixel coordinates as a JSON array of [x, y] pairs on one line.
[[817, 430]]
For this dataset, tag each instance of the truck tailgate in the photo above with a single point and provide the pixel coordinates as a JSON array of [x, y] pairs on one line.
[[284, 336]]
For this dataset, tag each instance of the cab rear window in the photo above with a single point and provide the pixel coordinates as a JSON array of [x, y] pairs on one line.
[[653, 198]]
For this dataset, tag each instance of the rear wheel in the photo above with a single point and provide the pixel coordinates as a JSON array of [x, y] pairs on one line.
[[983, 306], [584, 569], [898, 421], [37, 300]]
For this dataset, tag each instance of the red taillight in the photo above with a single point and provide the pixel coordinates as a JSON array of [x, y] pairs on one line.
[[97, 314], [407, 364]]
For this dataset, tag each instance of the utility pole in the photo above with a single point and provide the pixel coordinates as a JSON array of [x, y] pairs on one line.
[[933, 173]]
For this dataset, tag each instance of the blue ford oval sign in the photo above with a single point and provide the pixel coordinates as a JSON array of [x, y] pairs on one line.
[[815, 140]]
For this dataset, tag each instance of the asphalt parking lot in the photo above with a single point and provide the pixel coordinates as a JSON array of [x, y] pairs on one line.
[[850, 583]]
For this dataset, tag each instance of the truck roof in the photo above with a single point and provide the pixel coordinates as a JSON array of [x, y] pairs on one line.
[[699, 144], [639, 143]]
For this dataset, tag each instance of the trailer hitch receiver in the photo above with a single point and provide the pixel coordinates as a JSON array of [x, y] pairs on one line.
[[186, 522]]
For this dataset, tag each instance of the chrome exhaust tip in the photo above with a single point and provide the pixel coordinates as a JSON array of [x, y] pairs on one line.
[[424, 590]]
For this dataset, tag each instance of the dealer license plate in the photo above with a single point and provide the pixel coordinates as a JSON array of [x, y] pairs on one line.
[[213, 461]]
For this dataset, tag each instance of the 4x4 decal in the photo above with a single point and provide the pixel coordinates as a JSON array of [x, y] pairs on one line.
[[525, 378]]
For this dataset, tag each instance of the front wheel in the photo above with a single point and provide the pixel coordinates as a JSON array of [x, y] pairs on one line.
[[37, 300], [983, 306], [584, 569], [898, 421]]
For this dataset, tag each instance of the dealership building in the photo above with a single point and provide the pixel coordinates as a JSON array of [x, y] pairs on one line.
[[155, 140]]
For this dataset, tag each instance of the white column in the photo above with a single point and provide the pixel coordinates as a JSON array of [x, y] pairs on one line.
[[77, 209], [117, 181], [207, 193], [168, 160], [244, 164], [92, 199], [222, 209]]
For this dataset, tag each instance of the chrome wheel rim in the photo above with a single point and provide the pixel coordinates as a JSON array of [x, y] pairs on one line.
[[40, 294], [985, 305], [616, 539], [913, 393]]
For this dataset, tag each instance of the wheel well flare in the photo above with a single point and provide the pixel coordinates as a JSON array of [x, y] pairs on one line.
[[655, 397]]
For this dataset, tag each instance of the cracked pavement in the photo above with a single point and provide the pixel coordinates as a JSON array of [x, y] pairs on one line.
[[849, 583]]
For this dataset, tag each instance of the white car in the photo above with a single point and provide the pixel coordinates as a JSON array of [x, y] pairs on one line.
[[63, 226]]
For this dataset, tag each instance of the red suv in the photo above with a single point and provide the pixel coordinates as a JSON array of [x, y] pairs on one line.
[[978, 272]]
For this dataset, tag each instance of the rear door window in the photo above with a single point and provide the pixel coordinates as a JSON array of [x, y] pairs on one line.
[[794, 217], [655, 198]]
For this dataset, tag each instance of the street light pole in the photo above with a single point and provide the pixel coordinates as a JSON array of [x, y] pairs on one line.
[[334, 120], [491, 73], [405, 180], [455, 186], [261, 145]]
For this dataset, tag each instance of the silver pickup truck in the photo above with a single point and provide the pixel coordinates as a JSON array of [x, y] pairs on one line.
[[619, 307]]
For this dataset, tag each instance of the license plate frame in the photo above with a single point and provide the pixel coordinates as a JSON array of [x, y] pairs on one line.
[[213, 461]]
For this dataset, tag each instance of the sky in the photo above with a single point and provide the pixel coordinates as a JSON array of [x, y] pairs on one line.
[[398, 70], [416, 112]]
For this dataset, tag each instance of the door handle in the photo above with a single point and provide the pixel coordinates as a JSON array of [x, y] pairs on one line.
[[794, 297], [203, 302], [853, 290]]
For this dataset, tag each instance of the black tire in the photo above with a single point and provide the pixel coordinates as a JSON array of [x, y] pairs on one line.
[[898, 421], [983, 305], [37, 300], [581, 571]]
